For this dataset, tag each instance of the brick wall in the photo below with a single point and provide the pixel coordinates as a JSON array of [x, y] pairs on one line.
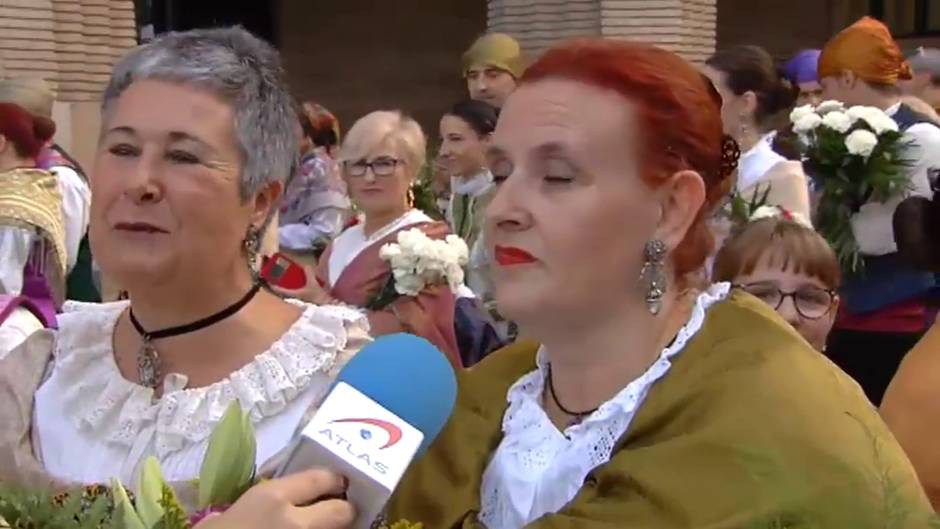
[[538, 24], [70, 43], [684, 26]]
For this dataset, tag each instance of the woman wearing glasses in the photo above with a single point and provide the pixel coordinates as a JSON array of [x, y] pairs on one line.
[[380, 157], [778, 258]]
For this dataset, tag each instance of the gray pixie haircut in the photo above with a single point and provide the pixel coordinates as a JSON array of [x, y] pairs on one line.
[[240, 68]]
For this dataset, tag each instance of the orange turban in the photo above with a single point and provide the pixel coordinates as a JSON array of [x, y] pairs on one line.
[[866, 49]]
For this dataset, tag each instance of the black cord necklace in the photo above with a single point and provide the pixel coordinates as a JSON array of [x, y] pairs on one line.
[[577, 415], [148, 359]]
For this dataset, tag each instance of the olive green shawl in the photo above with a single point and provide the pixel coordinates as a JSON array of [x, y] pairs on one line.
[[750, 428]]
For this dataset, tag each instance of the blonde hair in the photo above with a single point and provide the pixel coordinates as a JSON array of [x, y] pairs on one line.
[[374, 129]]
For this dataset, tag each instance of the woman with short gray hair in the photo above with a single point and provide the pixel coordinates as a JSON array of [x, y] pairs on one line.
[[196, 144]]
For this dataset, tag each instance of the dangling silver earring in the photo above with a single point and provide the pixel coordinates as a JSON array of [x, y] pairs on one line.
[[250, 246], [653, 274]]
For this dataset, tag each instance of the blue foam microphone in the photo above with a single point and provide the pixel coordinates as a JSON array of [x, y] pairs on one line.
[[388, 404]]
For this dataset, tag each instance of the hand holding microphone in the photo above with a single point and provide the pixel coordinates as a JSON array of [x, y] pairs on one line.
[[289, 503], [388, 404]]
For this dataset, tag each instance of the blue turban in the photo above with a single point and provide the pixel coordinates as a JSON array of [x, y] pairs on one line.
[[802, 67]]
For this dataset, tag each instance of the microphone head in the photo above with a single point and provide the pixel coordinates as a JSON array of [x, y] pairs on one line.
[[407, 376]]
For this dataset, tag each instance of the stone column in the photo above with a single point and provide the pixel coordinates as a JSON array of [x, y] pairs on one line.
[[538, 24], [684, 26]]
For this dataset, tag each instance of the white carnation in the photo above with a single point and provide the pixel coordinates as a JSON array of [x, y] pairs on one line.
[[837, 121], [411, 240], [800, 112], [418, 261], [877, 119], [389, 251], [861, 143], [830, 106], [765, 212], [884, 124], [409, 284], [777, 212], [807, 123], [460, 246]]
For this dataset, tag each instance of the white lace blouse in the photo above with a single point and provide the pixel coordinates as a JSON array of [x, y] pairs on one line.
[[537, 469], [94, 425]]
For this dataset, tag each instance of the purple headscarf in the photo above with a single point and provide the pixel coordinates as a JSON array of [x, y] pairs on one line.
[[802, 67]]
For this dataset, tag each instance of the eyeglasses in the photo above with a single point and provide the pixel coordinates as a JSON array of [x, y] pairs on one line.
[[811, 303], [380, 167]]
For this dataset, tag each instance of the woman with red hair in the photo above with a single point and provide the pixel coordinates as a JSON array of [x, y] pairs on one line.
[[645, 403], [32, 230]]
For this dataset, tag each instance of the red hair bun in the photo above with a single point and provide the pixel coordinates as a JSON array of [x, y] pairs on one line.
[[26, 132]]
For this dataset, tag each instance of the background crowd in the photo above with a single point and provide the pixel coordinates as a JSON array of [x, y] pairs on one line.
[[648, 327]]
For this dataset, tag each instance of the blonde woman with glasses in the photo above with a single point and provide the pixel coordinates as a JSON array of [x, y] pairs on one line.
[[380, 159]]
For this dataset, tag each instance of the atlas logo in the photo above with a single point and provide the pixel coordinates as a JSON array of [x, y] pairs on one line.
[[394, 432], [355, 449]]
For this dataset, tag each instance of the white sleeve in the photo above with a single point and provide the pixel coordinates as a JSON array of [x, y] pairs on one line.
[[925, 151], [873, 225], [19, 325], [15, 245], [76, 201], [324, 222]]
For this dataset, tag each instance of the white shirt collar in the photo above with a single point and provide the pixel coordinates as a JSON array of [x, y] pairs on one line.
[[474, 186], [537, 469], [756, 162]]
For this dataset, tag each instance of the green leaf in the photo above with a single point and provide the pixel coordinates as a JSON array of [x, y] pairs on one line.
[[228, 469], [124, 516], [149, 491]]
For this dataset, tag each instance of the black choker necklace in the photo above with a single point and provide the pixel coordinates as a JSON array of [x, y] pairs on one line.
[[577, 415], [148, 360]]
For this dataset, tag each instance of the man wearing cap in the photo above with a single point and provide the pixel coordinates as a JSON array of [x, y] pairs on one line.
[[492, 66], [801, 72], [884, 312], [925, 85]]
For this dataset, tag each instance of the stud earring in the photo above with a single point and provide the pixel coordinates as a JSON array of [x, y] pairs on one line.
[[653, 275]]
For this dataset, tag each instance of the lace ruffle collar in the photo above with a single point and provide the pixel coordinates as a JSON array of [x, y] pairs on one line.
[[525, 396], [99, 398]]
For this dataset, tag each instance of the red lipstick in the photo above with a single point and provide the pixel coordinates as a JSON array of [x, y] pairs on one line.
[[138, 227], [510, 256]]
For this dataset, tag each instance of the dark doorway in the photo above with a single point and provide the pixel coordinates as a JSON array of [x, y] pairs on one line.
[[258, 16]]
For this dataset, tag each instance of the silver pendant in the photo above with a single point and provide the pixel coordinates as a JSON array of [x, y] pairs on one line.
[[148, 365]]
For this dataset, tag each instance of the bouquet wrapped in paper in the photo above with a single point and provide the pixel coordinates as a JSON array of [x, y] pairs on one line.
[[855, 155]]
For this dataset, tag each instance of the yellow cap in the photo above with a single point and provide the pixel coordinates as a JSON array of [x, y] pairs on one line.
[[496, 50]]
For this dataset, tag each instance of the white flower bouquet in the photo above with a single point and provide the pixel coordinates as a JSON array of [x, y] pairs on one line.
[[419, 262], [854, 155]]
